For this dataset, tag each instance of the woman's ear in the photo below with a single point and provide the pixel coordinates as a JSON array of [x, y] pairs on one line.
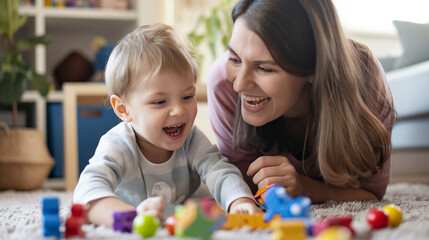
[[120, 108]]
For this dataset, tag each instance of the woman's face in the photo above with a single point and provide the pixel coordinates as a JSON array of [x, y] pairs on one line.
[[267, 91]]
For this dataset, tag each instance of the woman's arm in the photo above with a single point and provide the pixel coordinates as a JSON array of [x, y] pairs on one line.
[[278, 170], [320, 192]]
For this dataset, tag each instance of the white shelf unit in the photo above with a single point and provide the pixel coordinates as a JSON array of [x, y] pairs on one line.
[[73, 29]]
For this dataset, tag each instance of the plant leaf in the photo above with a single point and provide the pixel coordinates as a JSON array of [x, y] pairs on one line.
[[12, 86], [29, 43], [39, 82]]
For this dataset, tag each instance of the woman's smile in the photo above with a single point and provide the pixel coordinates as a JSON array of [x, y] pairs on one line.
[[254, 104]]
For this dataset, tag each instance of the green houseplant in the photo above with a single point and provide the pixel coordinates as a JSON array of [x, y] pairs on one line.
[[213, 31], [24, 158]]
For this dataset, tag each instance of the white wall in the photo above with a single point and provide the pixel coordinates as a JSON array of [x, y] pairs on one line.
[[370, 21]]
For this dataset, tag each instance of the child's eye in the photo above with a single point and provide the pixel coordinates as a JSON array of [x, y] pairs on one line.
[[159, 102], [188, 97]]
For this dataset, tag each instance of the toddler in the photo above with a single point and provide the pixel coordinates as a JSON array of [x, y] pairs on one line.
[[155, 158]]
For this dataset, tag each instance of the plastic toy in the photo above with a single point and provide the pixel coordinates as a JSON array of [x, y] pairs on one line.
[[259, 194], [288, 229], [377, 219], [279, 202], [146, 225], [123, 221], [344, 221], [394, 213], [254, 221], [50, 218], [75, 221], [170, 224], [102, 52], [198, 218], [335, 233]]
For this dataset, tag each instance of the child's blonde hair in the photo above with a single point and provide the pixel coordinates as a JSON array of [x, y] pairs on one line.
[[144, 53]]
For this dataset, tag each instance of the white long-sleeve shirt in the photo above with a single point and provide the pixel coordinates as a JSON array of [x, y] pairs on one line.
[[119, 169]]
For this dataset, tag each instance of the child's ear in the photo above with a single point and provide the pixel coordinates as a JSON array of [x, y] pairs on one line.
[[118, 105]]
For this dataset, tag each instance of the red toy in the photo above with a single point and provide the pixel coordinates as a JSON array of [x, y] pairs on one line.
[[170, 224], [377, 219], [75, 221], [344, 221]]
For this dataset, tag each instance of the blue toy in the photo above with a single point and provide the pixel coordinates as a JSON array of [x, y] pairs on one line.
[[50, 217], [279, 202], [100, 61]]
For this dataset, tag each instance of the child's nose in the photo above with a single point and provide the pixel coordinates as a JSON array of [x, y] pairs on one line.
[[177, 110]]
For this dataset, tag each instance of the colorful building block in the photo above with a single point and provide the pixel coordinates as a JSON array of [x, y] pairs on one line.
[[239, 220], [74, 223], [335, 233], [279, 202], [394, 213], [260, 193], [198, 218], [377, 219], [50, 218], [123, 220], [321, 225], [291, 229], [145, 225]]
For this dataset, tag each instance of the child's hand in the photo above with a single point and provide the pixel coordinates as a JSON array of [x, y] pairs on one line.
[[154, 206], [244, 205]]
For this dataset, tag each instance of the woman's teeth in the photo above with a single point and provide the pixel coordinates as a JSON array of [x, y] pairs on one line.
[[255, 102]]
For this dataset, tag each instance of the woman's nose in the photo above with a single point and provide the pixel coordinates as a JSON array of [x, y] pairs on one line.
[[243, 80]]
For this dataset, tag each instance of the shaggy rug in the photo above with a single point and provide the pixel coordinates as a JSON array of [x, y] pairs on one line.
[[20, 215]]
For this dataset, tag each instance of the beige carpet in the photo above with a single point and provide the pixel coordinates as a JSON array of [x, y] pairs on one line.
[[20, 216]]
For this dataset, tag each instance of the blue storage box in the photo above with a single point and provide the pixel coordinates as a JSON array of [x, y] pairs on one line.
[[93, 121], [54, 135]]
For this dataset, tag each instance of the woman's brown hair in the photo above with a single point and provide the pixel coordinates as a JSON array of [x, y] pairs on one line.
[[349, 97]]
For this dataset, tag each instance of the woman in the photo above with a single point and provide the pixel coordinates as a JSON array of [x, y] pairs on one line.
[[293, 102]]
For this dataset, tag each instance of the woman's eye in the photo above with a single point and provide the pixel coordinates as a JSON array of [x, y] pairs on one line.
[[233, 60], [267, 70]]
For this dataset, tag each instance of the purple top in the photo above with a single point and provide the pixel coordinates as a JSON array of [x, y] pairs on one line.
[[221, 102]]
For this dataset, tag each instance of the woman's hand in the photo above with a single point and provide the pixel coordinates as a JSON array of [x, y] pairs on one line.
[[244, 205], [278, 170], [154, 206]]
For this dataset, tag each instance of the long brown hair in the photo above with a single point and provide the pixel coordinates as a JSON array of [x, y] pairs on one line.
[[348, 98]]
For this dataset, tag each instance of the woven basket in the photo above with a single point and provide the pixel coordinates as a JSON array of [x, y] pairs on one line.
[[24, 159]]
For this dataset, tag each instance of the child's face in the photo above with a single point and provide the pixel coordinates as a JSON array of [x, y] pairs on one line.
[[163, 109]]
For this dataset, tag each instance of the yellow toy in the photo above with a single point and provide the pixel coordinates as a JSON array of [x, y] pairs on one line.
[[394, 214], [335, 233], [288, 229], [238, 220]]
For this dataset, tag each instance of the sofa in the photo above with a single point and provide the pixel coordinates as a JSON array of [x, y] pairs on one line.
[[408, 77]]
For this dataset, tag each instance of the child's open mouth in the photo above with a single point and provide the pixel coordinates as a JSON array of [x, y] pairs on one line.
[[174, 130]]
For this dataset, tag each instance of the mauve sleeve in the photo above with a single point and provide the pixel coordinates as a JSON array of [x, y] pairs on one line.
[[378, 183], [222, 100]]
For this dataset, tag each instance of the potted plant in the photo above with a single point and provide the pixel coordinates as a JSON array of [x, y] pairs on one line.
[[24, 158], [213, 30]]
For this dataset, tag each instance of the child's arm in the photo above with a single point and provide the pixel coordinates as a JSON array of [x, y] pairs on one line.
[[244, 205], [101, 210]]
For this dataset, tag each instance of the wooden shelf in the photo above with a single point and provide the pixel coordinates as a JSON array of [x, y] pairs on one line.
[[80, 13]]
